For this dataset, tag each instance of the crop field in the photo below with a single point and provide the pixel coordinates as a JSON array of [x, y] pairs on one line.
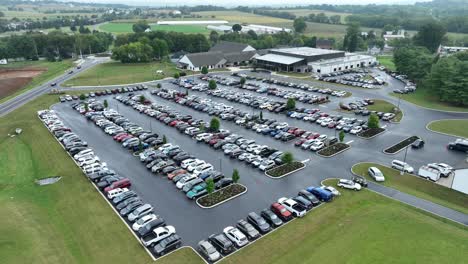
[[241, 17], [306, 12], [119, 28]]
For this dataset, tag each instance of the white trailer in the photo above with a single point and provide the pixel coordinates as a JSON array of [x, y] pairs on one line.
[[429, 173]]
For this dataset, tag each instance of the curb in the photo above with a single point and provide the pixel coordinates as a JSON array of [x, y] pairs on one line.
[[385, 130], [388, 153], [230, 198], [343, 150], [442, 133], [419, 208], [291, 172]]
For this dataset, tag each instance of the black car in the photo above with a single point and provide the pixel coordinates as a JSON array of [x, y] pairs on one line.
[[106, 181], [271, 218], [258, 222], [419, 143], [361, 180], [96, 177], [149, 227], [167, 244], [304, 202], [76, 150], [124, 196], [221, 243], [248, 229], [126, 202], [223, 183], [314, 200], [127, 210]]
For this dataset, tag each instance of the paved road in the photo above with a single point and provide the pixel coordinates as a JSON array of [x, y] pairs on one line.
[[25, 97], [177, 210]]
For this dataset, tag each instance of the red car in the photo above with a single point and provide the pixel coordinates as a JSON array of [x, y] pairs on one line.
[[299, 132], [332, 125], [313, 136], [175, 173], [213, 141], [123, 183], [323, 114], [281, 212], [124, 137], [292, 130], [174, 123], [119, 135], [300, 142]]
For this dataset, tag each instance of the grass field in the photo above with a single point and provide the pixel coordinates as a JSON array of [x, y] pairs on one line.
[[122, 73], [387, 62], [118, 28], [181, 256], [54, 69], [422, 98], [34, 14], [361, 227], [240, 17], [68, 222], [456, 128], [386, 107], [306, 12], [418, 187]]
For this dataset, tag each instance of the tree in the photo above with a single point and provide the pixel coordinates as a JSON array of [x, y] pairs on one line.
[[299, 25], [210, 186], [160, 48], [291, 104], [242, 81], [133, 52], [430, 35], [202, 126], [236, 28], [73, 28], [287, 158], [140, 26], [261, 115], [235, 176], [214, 36], [352, 38], [140, 145], [413, 61], [142, 98], [176, 75], [158, 85], [106, 104], [341, 135], [373, 121], [214, 124], [164, 140], [82, 97], [212, 85], [86, 107], [204, 70]]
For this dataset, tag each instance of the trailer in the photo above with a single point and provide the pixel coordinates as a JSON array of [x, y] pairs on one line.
[[429, 173]]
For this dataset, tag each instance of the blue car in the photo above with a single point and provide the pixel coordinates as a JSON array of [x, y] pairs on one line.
[[274, 132], [321, 194], [137, 147]]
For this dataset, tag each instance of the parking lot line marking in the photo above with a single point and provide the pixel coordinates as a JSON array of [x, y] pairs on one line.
[[323, 106], [304, 161], [349, 142], [384, 126]]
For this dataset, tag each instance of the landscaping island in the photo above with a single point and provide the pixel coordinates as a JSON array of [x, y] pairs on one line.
[[386, 107], [285, 169], [334, 149], [371, 132], [454, 127], [222, 195], [401, 145]]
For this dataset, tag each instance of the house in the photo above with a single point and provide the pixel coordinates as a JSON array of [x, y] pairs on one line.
[[3, 62], [324, 44], [223, 54]]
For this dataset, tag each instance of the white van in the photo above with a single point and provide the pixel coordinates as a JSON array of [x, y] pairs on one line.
[[83, 153], [402, 166], [116, 192], [429, 173]]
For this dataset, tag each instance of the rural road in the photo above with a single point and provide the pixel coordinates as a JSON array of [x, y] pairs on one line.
[[27, 96]]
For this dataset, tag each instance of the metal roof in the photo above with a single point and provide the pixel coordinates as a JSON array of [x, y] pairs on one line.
[[279, 59], [306, 51]]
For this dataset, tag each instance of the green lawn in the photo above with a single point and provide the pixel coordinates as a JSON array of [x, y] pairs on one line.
[[181, 256], [122, 73], [456, 128], [54, 69], [68, 222], [386, 107], [118, 28], [418, 187], [361, 227], [423, 98], [387, 62], [240, 17]]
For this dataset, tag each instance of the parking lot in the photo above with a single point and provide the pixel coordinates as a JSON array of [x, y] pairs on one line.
[[194, 223]]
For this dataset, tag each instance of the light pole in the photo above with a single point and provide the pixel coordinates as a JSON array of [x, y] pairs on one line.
[[220, 165], [404, 160]]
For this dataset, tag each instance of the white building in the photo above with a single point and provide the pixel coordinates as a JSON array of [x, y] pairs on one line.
[[3, 62], [460, 181], [260, 29], [349, 61]]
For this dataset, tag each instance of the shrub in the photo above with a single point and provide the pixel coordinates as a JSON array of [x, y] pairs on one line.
[[204, 70], [212, 85], [287, 158], [291, 104], [235, 176], [373, 121], [214, 124]]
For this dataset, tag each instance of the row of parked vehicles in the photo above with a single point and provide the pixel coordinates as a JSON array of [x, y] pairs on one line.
[[301, 86], [353, 77], [257, 224], [151, 228], [232, 145], [67, 97]]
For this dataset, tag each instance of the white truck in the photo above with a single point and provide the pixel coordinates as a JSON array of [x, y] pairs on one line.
[[429, 173]]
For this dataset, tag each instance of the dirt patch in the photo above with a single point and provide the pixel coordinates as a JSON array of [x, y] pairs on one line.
[[12, 80]]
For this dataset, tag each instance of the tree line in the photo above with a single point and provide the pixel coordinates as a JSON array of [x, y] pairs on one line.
[[15, 24], [55, 45]]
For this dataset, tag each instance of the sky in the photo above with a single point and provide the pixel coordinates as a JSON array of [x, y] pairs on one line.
[[247, 2]]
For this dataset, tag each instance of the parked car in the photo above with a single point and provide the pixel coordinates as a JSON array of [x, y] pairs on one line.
[[167, 244], [236, 236], [221, 243], [349, 184], [419, 143], [157, 235], [321, 194], [281, 211], [208, 250], [271, 218], [258, 222], [402, 166], [150, 226], [295, 208], [376, 174], [143, 221], [248, 229], [140, 211]]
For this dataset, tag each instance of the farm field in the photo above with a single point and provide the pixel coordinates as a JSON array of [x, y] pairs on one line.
[[69, 213], [344, 226], [452, 127], [35, 14], [119, 28], [120, 73], [18, 77], [418, 187], [306, 12], [241, 17]]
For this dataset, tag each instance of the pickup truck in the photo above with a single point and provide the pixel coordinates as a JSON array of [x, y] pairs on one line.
[[157, 235]]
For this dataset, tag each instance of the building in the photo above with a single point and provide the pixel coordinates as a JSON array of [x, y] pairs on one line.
[[448, 50], [324, 44], [3, 62], [224, 54], [260, 29], [389, 35], [460, 180], [305, 59], [220, 28]]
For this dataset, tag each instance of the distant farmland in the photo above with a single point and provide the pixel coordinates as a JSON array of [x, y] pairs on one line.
[[118, 28], [241, 17]]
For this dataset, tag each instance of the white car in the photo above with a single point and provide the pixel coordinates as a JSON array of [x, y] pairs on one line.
[[83, 153], [331, 189], [143, 221], [292, 206], [88, 160], [376, 174], [266, 165], [180, 184], [236, 236], [317, 145], [157, 235], [184, 164], [349, 184], [322, 138], [195, 165], [355, 130], [444, 169], [116, 192], [94, 167], [203, 169]]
